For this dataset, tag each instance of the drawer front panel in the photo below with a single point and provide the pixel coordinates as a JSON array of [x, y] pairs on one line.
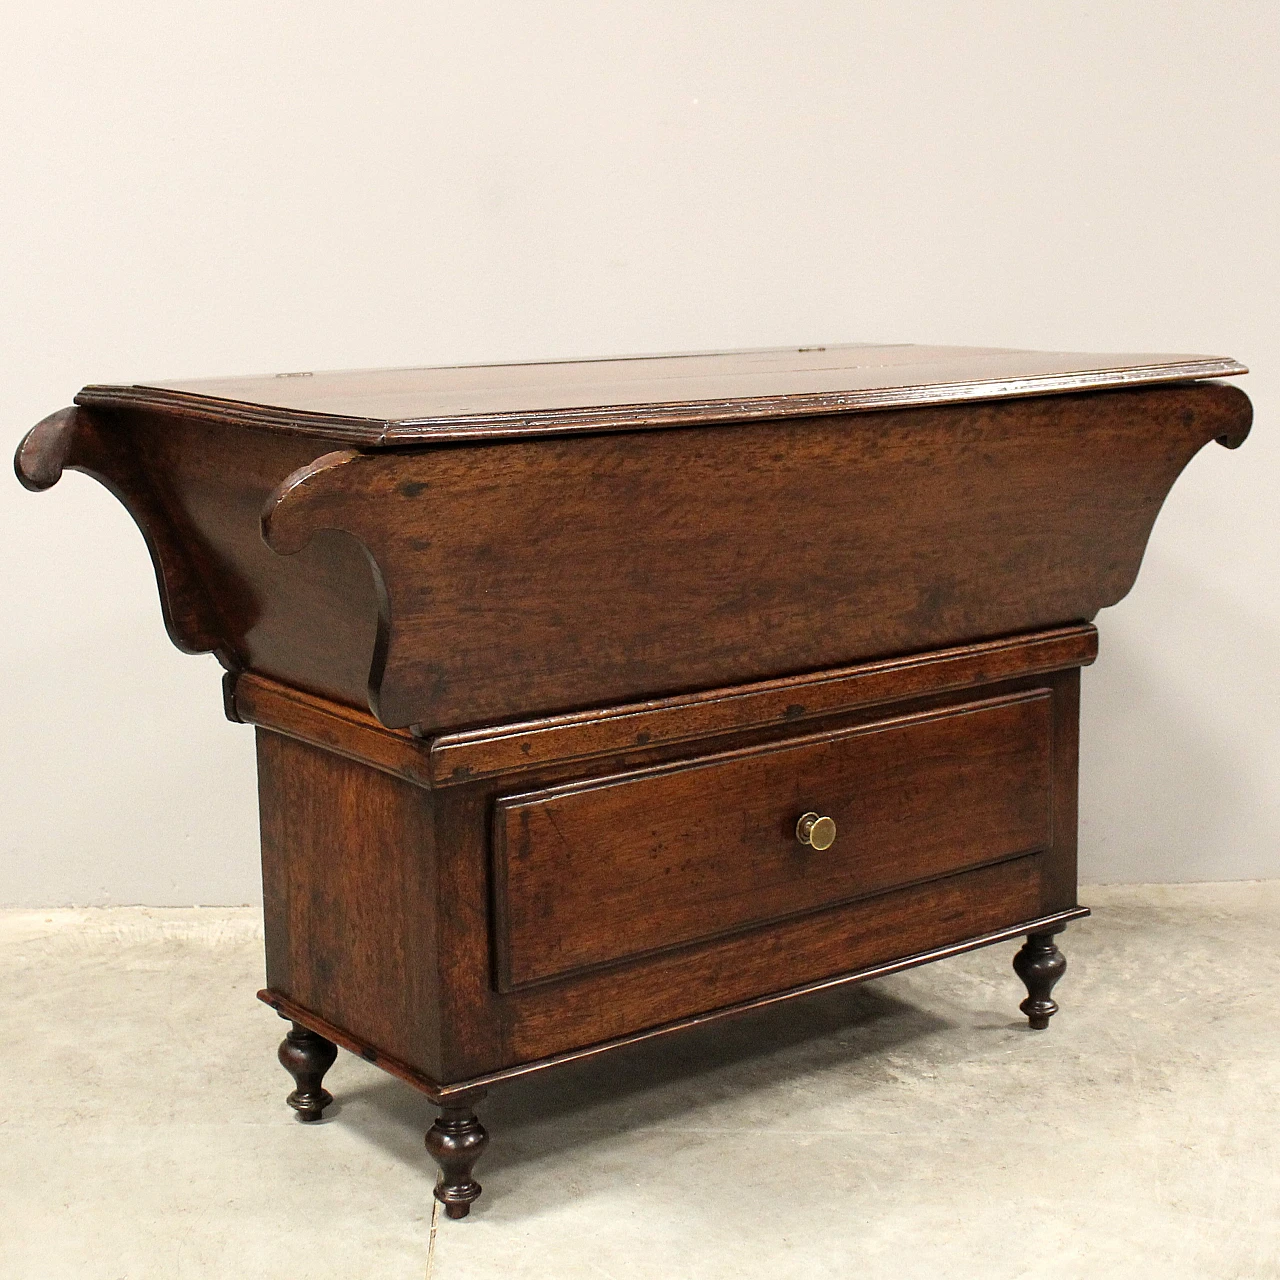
[[553, 1017], [613, 869]]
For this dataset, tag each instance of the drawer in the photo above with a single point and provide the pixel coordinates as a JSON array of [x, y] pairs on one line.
[[611, 869]]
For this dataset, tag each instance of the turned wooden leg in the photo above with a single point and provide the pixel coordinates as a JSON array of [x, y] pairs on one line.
[[456, 1141], [306, 1056], [1039, 964]]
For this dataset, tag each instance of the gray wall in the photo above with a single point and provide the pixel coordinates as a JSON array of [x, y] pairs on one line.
[[236, 188]]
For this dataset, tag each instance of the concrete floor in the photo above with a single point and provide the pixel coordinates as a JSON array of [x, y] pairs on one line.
[[911, 1127]]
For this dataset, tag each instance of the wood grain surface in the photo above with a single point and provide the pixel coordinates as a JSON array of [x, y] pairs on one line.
[[548, 661], [476, 1086], [541, 576], [787, 703], [382, 408], [554, 1017], [349, 895], [464, 586], [618, 733], [384, 898], [607, 869]]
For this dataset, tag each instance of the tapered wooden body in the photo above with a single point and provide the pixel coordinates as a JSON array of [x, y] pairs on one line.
[[524, 569], [555, 668]]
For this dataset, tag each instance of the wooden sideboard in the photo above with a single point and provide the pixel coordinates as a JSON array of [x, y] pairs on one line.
[[599, 699]]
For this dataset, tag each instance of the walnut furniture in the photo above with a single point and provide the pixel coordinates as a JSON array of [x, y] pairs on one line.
[[600, 699]]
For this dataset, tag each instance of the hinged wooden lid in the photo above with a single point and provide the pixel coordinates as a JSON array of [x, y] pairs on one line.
[[386, 408]]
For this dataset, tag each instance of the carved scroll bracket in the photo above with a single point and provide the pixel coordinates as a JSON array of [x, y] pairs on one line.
[[1239, 430], [328, 494], [78, 440]]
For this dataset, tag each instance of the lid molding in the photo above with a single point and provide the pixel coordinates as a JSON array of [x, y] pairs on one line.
[[397, 408]]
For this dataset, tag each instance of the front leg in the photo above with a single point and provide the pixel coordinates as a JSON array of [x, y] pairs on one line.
[[306, 1056], [456, 1141], [1040, 964]]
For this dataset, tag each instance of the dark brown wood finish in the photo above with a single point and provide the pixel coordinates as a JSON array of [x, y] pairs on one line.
[[789, 703], [977, 780], [349, 896], [1035, 512], [610, 869], [604, 699], [196, 492], [546, 1018], [393, 408], [662, 569], [306, 1056], [456, 1141], [467, 1090], [1040, 965], [253, 699], [617, 732], [549, 1019], [73, 439]]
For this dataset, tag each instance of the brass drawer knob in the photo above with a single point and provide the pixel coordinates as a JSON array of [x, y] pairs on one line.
[[817, 832]]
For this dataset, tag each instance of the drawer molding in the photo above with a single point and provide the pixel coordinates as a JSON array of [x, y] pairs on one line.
[[639, 729], [587, 735], [569, 901], [507, 987]]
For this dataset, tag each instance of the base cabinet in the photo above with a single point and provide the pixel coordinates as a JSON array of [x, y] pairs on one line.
[[578, 885]]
